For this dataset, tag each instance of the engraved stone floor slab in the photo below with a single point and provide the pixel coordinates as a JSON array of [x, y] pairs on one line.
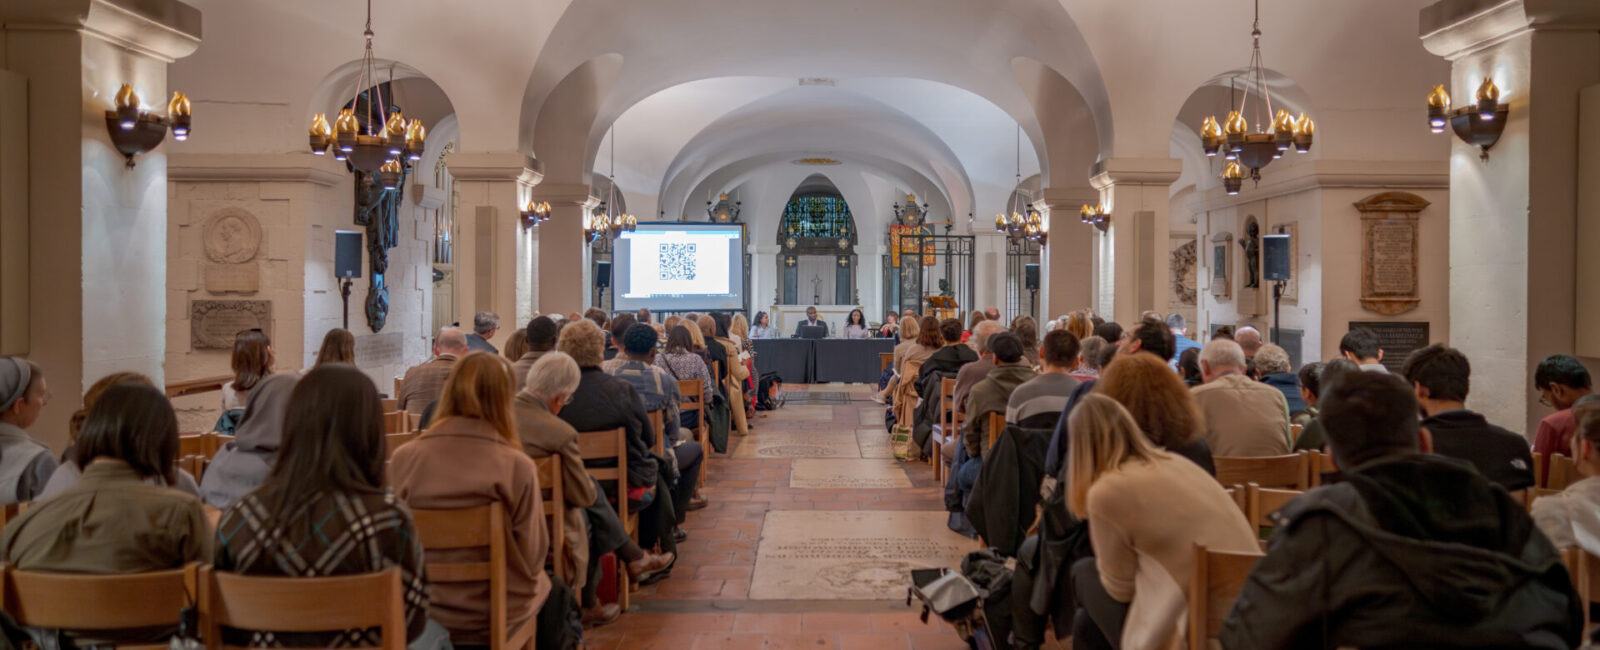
[[839, 555], [830, 473], [816, 444], [874, 443], [868, 415], [801, 412]]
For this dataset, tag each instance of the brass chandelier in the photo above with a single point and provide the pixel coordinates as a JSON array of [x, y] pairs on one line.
[[386, 144], [1246, 150], [608, 219], [1024, 222]]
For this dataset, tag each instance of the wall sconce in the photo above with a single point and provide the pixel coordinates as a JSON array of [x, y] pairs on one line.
[[1479, 124], [134, 132], [1098, 216], [535, 213]]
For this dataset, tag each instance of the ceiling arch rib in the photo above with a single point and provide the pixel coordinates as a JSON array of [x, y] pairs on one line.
[[780, 166]]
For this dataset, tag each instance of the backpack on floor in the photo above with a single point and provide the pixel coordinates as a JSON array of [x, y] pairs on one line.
[[767, 396]]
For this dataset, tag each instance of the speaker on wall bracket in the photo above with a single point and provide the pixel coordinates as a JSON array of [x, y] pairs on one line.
[[1275, 269]]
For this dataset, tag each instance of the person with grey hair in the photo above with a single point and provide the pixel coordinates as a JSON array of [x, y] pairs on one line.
[[1249, 339], [424, 383], [974, 372], [592, 527], [1090, 351], [484, 325], [1243, 417], [1180, 337], [1273, 364]]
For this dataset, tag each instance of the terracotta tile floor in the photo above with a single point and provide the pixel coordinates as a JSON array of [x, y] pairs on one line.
[[705, 604]]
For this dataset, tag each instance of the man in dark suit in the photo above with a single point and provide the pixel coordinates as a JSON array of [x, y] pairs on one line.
[[811, 321]]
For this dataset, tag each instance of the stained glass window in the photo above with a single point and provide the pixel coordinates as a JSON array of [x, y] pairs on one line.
[[819, 216]]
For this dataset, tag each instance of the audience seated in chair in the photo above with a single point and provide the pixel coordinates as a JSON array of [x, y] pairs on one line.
[[948, 361], [1327, 374], [680, 361], [243, 464], [1038, 402], [323, 509], [68, 472], [1273, 364], [1160, 405], [469, 457], [23, 394], [1242, 417], [990, 395], [1561, 381], [1439, 377], [1571, 518], [1411, 550], [424, 383], [1146, 509], [541, 336], [660, 393]]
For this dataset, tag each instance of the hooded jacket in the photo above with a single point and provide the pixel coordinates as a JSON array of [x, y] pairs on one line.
[[244, 463], [1410, 551]]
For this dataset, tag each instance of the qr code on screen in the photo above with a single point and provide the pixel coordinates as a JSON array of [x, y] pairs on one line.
[[677, 261]]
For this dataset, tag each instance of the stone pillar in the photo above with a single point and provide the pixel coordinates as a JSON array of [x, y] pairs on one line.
[[1066, 264], [1514, 218], [1137, 192], [96, 229], [562, 271], [492, 239]]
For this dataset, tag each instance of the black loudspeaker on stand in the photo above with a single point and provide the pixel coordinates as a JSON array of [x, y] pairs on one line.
[[346, 264], [1030, 281], [1275, 269]]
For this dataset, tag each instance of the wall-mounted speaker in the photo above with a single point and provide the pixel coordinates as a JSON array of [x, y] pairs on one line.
[[1030, 277], [347, 254], [1275, 257], [602, 274]]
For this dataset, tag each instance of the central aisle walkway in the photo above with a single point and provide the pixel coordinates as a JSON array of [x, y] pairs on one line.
[[807, 542]]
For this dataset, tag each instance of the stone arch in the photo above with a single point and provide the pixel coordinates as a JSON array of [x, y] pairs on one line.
[[567, 129]]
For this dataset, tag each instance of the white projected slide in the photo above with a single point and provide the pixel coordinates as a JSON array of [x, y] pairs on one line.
[[678, 263]]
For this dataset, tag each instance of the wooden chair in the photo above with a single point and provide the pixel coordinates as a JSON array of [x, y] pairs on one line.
[[392, 441], [690, 392], [14, 510], [555, 509], [192, 444], [481, 527], [1317, 464], [1261, 502], [214, 443], [659, 429], [1585, 571], [398, 422], [944, 428], [390, 404], [90, 603], [278, 604], [398, 380], [1294, 433], [1238, 494], [996, 424], [195, 465], [1215, 581], [1268, 471], [613, 445], [885, 359], [1562, 472]]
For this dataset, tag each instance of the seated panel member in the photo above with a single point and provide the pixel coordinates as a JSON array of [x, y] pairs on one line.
[[812, 327]]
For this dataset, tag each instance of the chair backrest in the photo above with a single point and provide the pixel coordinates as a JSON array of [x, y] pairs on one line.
[[278, 604], [390, 404], [1268, 471], [885, 359], [1538, 469], [1261, 502], [610, 444], [482, 527], [1295, 431], [947, 400], [1239, 496], [1214, 583], [72, 601], [689, 394], [996, 424], [1317, 463], [398, 422], [1562, 472], [12, 511], [659, 428], [392, 441], [1585, 571], [551, 489], [192, 444], [195, 465]]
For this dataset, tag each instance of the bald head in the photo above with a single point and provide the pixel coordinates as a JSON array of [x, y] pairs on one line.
[[992, 313], [452, 341], [1249, 339], [983, 331]]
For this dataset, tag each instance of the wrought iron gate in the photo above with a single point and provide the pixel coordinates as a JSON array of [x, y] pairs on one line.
[[1020, 299], [928, 265]]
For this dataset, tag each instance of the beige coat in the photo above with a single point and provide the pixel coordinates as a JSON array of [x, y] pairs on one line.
[[544, 435], [464, 463], [734, 385], [1243, 417], [1144, 520]]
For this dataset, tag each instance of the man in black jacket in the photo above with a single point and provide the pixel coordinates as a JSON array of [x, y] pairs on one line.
[[1440, 375], [1411, 550]]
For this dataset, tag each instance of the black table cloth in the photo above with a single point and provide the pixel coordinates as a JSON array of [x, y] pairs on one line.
[[801, 361]]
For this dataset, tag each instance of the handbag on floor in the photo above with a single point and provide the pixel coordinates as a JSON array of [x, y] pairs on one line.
[[900, 441]]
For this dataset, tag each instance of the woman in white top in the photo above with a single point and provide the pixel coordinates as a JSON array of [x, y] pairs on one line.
[[763, 327], [1572, 517], [856, 326], [252, 361]]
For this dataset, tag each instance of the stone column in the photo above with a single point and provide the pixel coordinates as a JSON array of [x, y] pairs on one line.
[[1066, 264], [492, 239], [1514, 218], [562, 271], [96, 229], [1137, 192]]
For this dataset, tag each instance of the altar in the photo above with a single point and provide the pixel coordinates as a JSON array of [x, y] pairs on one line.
[[786, 317]]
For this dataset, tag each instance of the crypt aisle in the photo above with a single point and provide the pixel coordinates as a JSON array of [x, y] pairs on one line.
[[810, 527]]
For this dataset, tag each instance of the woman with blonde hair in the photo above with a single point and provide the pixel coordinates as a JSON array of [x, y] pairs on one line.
[[517, 345], [471, 456], [1160, 404], [1146, 509], [1080, 325]]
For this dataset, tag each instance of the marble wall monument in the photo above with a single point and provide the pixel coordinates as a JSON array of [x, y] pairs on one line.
[[214, 323], [231, 238], [1221, 255], [1389, 251], [1184, 260]]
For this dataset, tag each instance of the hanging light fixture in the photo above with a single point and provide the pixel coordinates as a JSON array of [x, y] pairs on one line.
[[386, 144], [1272, 139], [612, 222], [911, 214], [1024, 222]]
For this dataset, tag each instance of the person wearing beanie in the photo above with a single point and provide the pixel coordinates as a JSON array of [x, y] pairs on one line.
[[25, 465]]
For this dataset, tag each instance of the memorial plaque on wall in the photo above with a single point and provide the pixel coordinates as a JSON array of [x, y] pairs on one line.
[[1389, 251], [1221, 254], [213, 323], [374, 350], [1397, 339]]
